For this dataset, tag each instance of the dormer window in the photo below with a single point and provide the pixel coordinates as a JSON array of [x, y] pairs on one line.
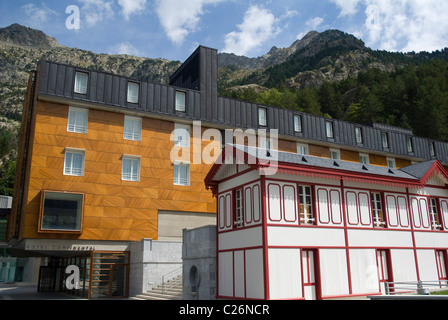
[[81, 81], [262, 117], [329, 129], [133, 92]]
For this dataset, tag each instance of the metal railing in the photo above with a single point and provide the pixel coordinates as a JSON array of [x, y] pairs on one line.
[[420, 287], [166, 283]]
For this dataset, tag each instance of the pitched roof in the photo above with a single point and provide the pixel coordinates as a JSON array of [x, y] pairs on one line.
[[287, 162]]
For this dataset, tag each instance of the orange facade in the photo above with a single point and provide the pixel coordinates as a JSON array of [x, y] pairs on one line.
[[113, 209]]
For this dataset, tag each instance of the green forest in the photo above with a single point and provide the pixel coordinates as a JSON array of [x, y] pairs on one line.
[[413, 97]]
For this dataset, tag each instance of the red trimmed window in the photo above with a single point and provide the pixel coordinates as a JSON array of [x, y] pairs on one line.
[[238, 205], [377, 210], [434, 214], [306, 205]]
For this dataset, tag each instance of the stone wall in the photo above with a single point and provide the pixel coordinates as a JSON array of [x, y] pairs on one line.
[[199, 263]]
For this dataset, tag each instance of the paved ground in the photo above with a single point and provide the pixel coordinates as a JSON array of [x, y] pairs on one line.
[[28, 291]]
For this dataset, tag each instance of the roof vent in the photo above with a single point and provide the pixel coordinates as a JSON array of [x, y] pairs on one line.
[[336, 164], [391, 172], [304, 159], [365, 168]]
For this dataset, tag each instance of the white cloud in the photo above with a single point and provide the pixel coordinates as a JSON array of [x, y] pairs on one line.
[[130, 7], [401, 25], [413, 25], [179, 17], [314, 22], [95, 11], [38, 16], [258, 26], [348, 7]]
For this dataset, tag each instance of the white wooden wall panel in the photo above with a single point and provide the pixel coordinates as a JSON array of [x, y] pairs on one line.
[[333, 268], [225, 271], [285, 275], [254, 274], [239, 273], [364, 271]]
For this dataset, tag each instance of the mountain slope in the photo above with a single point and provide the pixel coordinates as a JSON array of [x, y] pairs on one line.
[[21, 48], [309, 62]]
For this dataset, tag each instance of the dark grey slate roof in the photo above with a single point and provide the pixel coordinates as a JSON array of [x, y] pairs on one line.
[[56, 81], [420, 169], [293, 158]]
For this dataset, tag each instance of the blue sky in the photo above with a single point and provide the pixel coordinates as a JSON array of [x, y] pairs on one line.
[[172, 29]]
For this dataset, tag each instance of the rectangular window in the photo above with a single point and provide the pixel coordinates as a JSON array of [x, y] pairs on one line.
[[130, 170], [74, 162], [409, 145], [329, 129], [335, 154], [297, 123], [364, 158], [434, 214], [262, 117], [133, 92], [81, 82], [181, 174], [432, 150], [181, 135], [377, 209], [306, 205], [358, 135], [180, 101], [384, 140], [441, 266], [391, 163], [132, 128], [77, 120], [302, 149], [238, 208], [61, 211]]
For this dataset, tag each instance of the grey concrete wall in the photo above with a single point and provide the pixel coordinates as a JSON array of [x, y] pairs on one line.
[[199, 263], [150, 261]]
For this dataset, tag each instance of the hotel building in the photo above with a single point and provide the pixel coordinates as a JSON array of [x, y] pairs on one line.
[[95, 174]]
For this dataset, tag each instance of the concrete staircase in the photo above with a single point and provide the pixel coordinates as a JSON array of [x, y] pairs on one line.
[[171, 290]]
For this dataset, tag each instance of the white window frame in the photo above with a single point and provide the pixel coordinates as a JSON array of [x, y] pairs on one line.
[[182, 135], [263, 117], [391, 163], [434, 214], [358, 135], [305, 208], [377, 210], [134, 175], [302, 149], [297, 123], [385, 140], [69, 170], [76, 115], [329, 129], [181, 101], [177, 179], [366, 158], [335, 154], [238, 223], [132, 97], [80, 87], [432, 149], [409, 145], [132, 128]]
